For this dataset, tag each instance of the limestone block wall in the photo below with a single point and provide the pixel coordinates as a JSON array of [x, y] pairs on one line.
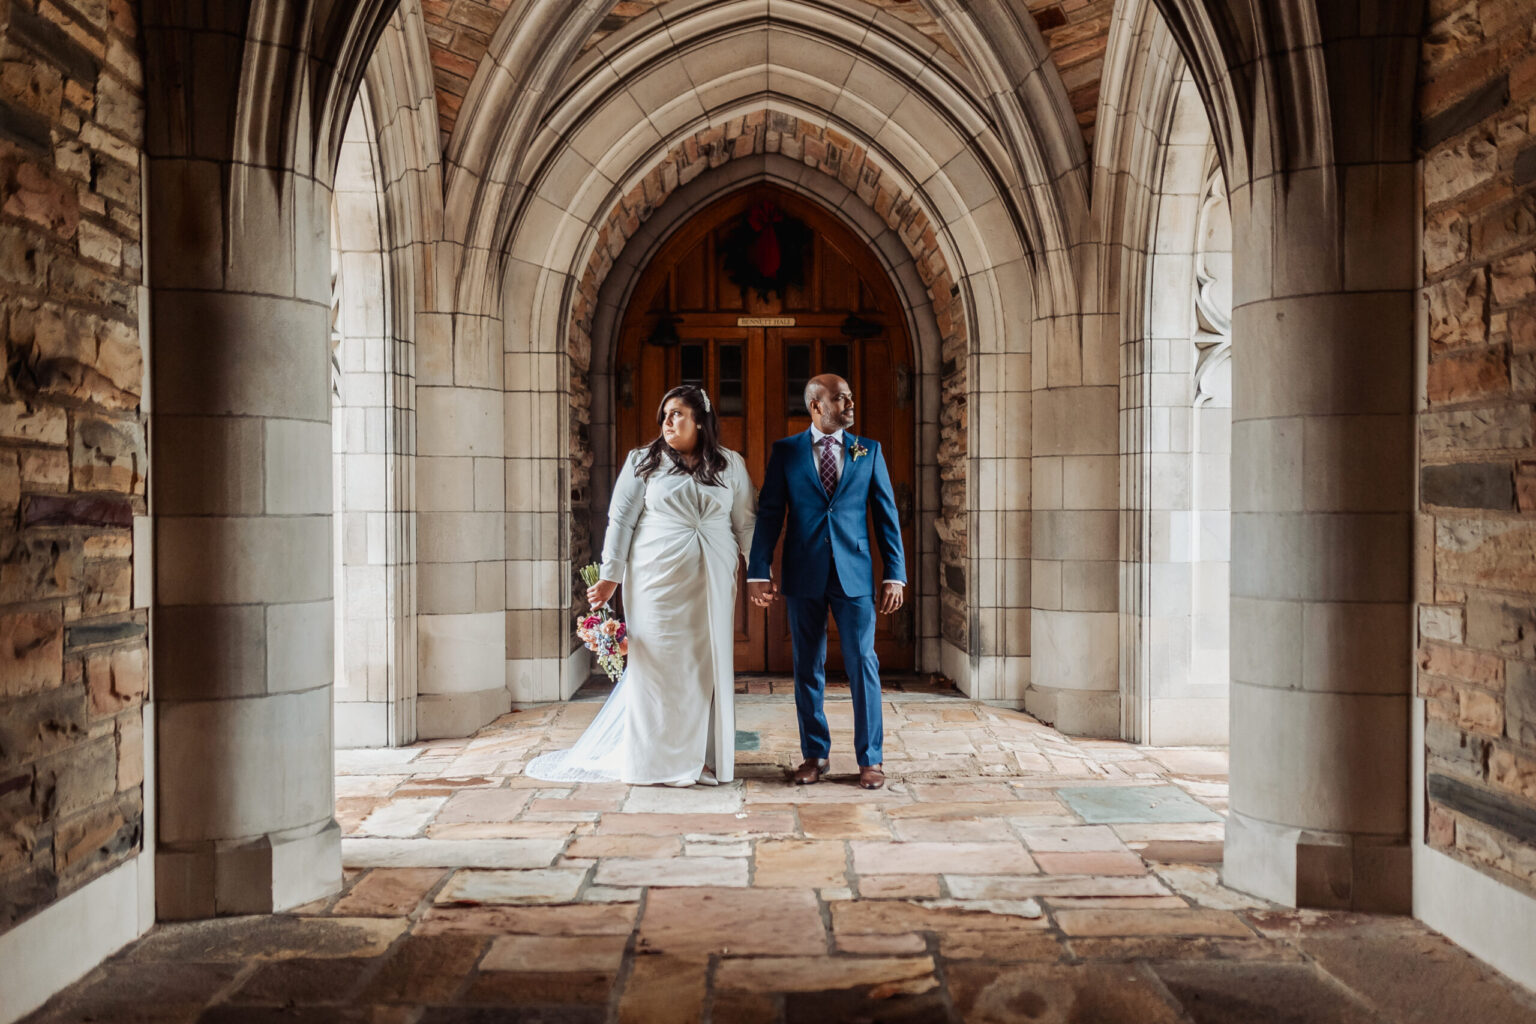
[[74, 666], [462, 494], [1476, 569], [539, 571]]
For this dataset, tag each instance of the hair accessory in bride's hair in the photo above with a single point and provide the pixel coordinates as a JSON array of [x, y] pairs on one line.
[[705, 395]]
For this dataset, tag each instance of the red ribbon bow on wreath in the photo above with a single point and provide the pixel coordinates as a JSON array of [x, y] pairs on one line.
[[765, 253]]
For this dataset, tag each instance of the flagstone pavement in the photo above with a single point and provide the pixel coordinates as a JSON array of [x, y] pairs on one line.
[[1006, 873]]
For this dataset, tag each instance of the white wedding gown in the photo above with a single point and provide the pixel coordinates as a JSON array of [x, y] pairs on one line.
[[676, 546]]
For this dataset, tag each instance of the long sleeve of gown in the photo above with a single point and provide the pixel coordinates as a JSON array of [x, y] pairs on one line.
[[743, 506], [624, 511]]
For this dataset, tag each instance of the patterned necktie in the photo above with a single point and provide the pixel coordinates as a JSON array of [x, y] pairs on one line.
[[828, 464]]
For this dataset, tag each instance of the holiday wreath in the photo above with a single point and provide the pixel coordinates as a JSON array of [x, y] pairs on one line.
[[765, 251]]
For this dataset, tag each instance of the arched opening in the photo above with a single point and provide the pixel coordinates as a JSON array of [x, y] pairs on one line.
[[369, 467], [912, 151], [936, 300], [687, 321], [1182, 402]]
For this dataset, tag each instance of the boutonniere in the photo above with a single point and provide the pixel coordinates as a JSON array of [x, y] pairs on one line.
[[857, 451]]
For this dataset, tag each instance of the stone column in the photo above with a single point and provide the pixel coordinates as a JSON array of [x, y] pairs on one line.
[[1074, 545], [536, 416], [1322, 460], [461, 526], [242, 492]]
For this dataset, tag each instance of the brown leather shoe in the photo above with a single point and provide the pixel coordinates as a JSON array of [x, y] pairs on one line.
[[871, 777], [810, 772]]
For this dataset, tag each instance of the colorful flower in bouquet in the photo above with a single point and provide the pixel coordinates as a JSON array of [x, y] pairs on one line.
[[603, 634]]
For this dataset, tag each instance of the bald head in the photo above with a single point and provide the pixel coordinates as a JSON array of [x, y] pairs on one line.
[[829, 400]]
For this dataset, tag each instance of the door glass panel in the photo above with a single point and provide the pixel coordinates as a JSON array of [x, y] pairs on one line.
[[730, 399], [835, 359], [797, 373], [692, 365]]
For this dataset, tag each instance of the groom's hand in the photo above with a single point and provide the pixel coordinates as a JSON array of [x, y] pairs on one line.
[[891, 596], [762, 592]]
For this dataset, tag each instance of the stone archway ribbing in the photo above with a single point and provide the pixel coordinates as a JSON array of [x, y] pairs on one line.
[[852, 166]]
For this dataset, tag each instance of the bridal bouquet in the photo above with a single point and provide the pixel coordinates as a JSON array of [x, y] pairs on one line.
[[604, 635]]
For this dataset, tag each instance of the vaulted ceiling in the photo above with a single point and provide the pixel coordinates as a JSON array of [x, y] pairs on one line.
[[1077, 31], [459, 32]]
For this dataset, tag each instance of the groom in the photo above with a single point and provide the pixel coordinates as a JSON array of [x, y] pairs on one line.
[[825, 480]]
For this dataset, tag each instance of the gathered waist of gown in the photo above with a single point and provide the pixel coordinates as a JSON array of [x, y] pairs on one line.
[[660, 526], [669, 545]]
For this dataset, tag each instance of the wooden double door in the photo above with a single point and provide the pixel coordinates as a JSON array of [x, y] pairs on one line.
[[688, 323]]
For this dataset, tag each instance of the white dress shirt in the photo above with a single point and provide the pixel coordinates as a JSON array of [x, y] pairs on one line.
[[837, 451]]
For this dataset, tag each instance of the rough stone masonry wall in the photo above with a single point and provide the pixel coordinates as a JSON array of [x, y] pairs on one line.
[[844, 160], [73, 664], [1477, 559]]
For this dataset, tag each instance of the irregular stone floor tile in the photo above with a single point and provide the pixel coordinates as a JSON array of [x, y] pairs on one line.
[[389, 892], [276, 937], [1102, 993], [449, 853], [552, 885], [818, 973], [684, 871], [1105, 804], [555, 953], [1244, 993], [304, 981], [736, 921]]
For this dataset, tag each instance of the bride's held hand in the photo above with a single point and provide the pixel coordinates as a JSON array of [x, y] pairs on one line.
[[599, 592]]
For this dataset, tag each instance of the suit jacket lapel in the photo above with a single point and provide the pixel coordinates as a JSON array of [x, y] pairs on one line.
[[809, 465], [849, 462]]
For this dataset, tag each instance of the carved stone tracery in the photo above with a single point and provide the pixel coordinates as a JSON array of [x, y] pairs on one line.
[[1213, 290]]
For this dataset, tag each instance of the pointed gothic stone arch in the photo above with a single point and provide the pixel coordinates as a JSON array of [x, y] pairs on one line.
[[852, 185], [524, 71], [901, 226], [557, 198], [573, 222]]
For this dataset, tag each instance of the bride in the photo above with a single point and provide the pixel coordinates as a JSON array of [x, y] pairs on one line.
[[679, 524]]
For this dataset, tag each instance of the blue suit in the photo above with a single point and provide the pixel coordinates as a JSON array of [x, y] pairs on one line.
[[827, 564]]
